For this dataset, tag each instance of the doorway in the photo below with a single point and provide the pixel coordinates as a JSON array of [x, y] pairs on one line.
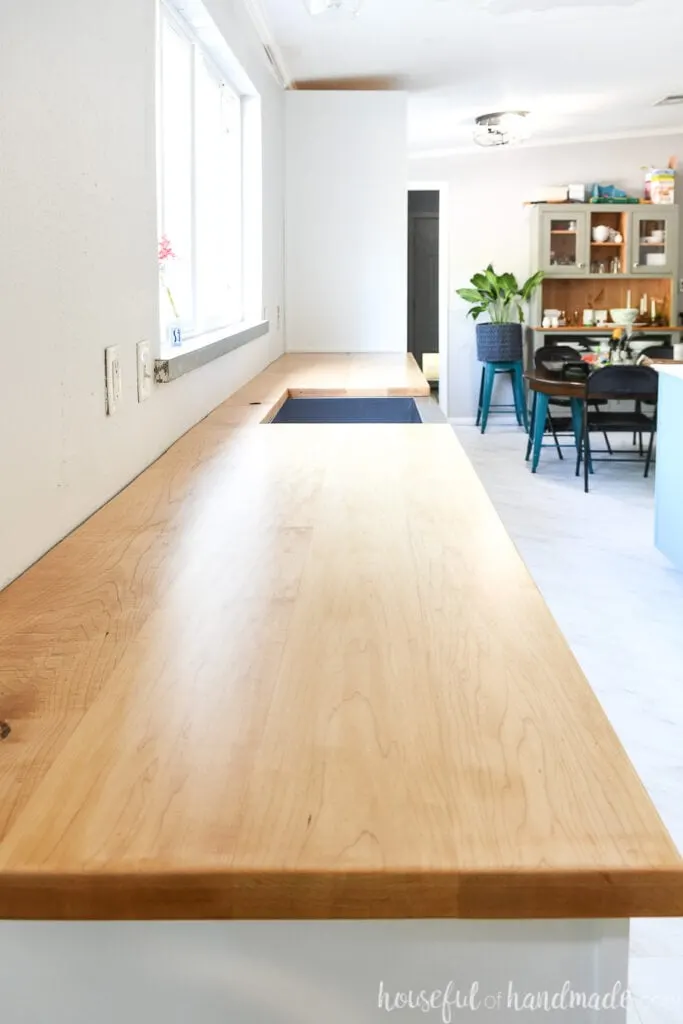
[[423, 281]]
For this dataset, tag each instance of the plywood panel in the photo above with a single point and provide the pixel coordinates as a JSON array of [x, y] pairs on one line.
[[347, 221], [576, 294]]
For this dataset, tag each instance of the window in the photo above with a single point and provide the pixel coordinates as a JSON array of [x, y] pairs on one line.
[[200, 186]]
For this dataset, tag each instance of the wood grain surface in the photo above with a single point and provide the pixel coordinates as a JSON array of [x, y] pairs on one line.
[[301, 671]]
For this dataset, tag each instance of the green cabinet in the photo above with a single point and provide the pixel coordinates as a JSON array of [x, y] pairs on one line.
[[564, 237], [654, 240], [586, 239], [563, 240]]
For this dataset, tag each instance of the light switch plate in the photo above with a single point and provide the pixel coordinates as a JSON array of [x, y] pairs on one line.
[[112, 376], [145, 370]]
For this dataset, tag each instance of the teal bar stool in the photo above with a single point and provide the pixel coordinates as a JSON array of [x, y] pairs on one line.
[[513, 367]]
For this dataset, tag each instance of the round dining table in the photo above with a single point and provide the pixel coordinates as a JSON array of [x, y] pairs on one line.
[[545, 386]]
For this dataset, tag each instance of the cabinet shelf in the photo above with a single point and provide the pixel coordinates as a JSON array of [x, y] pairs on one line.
[[563, 232], [608, 245]]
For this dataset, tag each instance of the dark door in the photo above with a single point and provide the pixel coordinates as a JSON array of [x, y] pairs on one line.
[[423, 273]]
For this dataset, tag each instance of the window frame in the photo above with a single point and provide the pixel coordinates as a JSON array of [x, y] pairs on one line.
[[198, 52]]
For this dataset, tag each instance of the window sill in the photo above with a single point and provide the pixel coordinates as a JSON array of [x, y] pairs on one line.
[[205, 348]]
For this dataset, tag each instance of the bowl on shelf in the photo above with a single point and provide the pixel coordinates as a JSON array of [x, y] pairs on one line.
[[624, 317], [601, 233]]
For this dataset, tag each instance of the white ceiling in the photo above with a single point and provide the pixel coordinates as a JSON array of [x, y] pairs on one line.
[[583, 68]]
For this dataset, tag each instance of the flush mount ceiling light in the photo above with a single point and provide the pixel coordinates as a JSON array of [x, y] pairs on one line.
[[501, 129], [331, 6]]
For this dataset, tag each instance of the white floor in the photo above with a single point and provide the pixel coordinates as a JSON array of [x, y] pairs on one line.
[[620, 605]]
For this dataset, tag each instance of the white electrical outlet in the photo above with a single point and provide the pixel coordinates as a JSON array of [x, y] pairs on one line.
[[145, 371], [112, 376]]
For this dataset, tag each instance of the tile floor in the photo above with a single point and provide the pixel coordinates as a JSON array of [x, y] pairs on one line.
[[620, 605]]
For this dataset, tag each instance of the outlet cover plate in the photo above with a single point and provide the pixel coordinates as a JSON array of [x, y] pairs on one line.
[[112, 377]]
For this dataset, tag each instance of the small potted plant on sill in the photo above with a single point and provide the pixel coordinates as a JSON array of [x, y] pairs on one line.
[[500, 296], [173, 331]]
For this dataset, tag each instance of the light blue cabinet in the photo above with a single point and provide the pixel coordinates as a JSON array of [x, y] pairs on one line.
[[669, 479]]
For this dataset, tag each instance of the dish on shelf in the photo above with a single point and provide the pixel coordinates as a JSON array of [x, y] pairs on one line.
[[624, 317]]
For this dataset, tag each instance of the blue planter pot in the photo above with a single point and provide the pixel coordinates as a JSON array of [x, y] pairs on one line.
[[499, 342]]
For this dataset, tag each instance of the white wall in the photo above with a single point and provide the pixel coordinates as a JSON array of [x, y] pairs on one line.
[[78, 265], [346, 222], [488, 222]]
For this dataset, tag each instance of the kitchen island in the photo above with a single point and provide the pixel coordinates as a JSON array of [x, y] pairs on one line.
[[295, 738], [669, 480]]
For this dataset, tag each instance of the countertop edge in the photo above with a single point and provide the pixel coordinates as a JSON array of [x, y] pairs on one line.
[[674, 370], [299, 895]]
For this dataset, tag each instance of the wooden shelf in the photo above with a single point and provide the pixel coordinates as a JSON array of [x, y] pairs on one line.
[[625, 275], [608, 245], [579, 291], [607, 329], [563, 232]]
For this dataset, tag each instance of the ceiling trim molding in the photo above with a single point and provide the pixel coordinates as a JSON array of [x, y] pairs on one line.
[[435, 154], [259, 20]]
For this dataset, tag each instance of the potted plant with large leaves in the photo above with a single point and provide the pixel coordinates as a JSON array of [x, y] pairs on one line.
[[500, 296]]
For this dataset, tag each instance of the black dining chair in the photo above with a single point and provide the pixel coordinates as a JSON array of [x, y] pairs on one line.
[[548, 358], [658, 352], [618, 382], [652, 352]]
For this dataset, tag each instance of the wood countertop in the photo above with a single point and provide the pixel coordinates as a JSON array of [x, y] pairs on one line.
[[302, 672]]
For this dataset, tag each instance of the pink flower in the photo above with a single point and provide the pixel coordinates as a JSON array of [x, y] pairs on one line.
[[165, 251]]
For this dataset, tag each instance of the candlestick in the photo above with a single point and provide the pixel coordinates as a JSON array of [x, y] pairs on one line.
[[653, 310], [628, 299]]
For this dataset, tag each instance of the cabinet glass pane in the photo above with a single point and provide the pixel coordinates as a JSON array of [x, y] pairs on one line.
[[563, 243], [652, 243]]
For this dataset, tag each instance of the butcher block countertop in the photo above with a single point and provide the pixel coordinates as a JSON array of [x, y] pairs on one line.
[[302, 672]]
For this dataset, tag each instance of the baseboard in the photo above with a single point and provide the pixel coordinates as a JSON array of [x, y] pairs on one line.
[[494, 421]]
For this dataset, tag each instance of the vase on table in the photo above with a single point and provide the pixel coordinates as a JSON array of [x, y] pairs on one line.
[[174, 334]]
